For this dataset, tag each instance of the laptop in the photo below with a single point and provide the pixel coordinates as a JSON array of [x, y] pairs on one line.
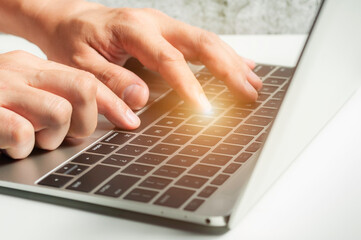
[[206, 169]]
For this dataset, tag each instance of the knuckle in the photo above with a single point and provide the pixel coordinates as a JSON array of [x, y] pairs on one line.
[[19, 53], [21, 132], [61, 111], [85, 87], [207, 40], [170, 55]]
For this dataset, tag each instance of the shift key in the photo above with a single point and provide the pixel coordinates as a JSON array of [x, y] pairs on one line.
[[92, 179]]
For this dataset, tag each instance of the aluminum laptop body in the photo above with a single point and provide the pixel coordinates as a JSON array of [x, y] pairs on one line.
[[327, 74]]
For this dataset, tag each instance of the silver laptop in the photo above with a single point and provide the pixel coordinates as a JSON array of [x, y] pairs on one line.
[[204, 169]]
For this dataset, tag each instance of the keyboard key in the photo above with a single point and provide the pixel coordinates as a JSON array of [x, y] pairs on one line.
[[155, 182], [220, 179], [204, 170], [200, 120], [158, 131], [263, 70], [217, 82], [145, 140], [268, 89], [228, 149], [132, 150], [169, 122], [72, 169], [217, 131], [274, 81], [267, 112], [238, 139], [191, 181], [238, 113], [252, 105], [117, 185], [189, 130], [87, 158], [213, 89], [141, 195], [254, 147], [174, 197], [280, 94], [118, 138], [243, 157], [227, 95], [92, 178], [152, 159], [285, 87], [169, 171], [283, 72], [55, 181], [138, 169], [194, 205], [184, 161], [201, 76], [207, 191], [177, 139], [164, 149], [273, 103], [221, 103], [180, 113], [260, 121], [206, 140], [248, 129], [194, 150], [232, 168], [262, 137], [102, 148], [118, 160], [216, 159], [228, 122], [262, 97]]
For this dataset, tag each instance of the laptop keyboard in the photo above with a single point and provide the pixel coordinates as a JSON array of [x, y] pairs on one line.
[[177, 158]]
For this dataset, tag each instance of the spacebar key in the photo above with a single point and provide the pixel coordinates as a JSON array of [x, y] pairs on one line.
[[93, 178]]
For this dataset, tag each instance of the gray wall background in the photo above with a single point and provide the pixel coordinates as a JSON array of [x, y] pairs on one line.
[[235, 16]]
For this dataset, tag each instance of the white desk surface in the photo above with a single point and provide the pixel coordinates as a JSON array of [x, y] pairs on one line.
[[319, 197]]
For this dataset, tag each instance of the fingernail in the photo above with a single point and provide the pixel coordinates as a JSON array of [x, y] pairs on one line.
[[132, 118], [133, 96], [203, 101]]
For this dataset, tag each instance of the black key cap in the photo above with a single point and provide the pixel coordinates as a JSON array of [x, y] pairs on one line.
[[215, 89], [274, 81], [220, 179], [263, 70], [252, 105], [260, 121], [221, 103], [268, 112], [169, 171], [55, 181], [206, 140], [188, 130], [155, 182], [92, 178], [285, 87], [207, 191], [169, 122], [191, 181], [145, 140], [87, 158], [248, 129], [283, 72], [180, 113], [268, 89], [228, 122], [238, 113], [194, 205], [141, 195], [72, 169], [152, 159], [117, 160], [174, 197], [227, 95], [228, 149], [243, 157], [184, 161], [238, 139], [262, 97], [118, 138], [177, 139], [217, 131], [132, 150], [254, 147], [102, 148], [204, 170], [138, 169], [200, 120], [164, 149], [273, 103], [232, 168], [194, 150], [280, 94], [117, 185], [261, 138], [216, 159], [158, 131]]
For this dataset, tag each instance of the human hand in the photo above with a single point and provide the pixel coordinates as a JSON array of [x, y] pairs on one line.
[[42, 102], [99, 40]]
